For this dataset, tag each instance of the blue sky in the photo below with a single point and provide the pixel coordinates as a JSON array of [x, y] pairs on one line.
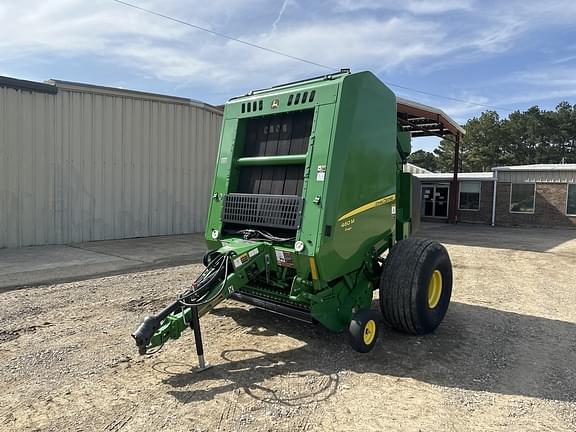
[[511, 54]]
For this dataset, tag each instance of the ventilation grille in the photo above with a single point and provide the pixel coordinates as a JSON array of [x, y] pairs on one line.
[[252, 106], [274, 211], [298, 98]]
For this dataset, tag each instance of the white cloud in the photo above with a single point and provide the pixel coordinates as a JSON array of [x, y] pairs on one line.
[[285, 4], [412, 35], [558, 83], [412, 6], [175, 52]]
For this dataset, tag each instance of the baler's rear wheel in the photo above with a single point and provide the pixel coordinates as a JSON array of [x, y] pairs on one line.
[[363, 330], [416, 286]]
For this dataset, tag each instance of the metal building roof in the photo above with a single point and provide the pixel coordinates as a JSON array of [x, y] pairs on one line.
[[537, 167], [479, 176], [32, 86], [115, 91], [52, 86], [414, 169], [425, 120]]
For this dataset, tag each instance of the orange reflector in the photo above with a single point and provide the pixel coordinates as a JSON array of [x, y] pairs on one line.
[[313, 269]]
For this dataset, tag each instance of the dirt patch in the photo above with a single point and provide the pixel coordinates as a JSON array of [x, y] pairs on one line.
[[6, 336], [505, 358]]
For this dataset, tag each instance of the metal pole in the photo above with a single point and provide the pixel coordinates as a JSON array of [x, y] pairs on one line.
[[454, 184], [195, 324], [494, 189]]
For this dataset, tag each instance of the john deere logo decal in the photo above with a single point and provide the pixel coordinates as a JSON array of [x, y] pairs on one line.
[[275, 104]]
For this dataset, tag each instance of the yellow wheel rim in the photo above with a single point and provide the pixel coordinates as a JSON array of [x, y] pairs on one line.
[[434, 289], [369, 332]]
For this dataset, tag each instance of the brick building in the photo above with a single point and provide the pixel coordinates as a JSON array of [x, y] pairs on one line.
[[537, 195], [542, 195]]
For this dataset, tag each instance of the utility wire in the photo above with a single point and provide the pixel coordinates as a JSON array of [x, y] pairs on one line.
[[280, 53], [449, 97], [222, 35]]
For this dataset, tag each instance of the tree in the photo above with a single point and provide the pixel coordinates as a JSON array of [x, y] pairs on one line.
[[445, 154], [528, 137], [424, 159]]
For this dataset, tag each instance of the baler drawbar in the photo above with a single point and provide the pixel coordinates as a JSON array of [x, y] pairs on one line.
[[310, 213]]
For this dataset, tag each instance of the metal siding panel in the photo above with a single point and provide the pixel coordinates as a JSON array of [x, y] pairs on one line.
[[14, 161], [98, 164], [178, 202], [28, 168], [58, 158], [118, 168], [49, 216], [88, 220], [152, 160], [203, 199], [4, 174], [77, 166], [41, 169], [145, 176], [191, 133], [185, 171], [136, 169], [198, 169], [67, 168], [195, 175], [163, 171], [127, 143], [108, 159], [170, 168], [8, 188]]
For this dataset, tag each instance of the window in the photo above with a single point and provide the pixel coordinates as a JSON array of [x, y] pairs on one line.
[[469, 196], [522, 198], [571, 200]]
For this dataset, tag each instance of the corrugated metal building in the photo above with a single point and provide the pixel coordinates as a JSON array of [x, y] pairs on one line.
[[81, 162]]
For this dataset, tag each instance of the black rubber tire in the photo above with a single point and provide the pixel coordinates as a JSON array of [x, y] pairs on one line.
[[357, 328], [404, 286]]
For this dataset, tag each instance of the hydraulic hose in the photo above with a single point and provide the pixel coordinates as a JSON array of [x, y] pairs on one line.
[[215, 273]]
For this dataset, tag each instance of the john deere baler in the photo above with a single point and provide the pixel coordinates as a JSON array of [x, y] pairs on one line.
[[310, 213]]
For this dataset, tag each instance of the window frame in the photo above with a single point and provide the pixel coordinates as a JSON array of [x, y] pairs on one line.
[[533, 199], [479, 195], [567, 195]]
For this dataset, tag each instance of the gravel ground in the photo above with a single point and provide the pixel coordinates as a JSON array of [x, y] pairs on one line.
[[504, 358]]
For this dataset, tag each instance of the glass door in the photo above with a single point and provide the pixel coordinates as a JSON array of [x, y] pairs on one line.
[[428, 201], [435, 200], [441, 202]]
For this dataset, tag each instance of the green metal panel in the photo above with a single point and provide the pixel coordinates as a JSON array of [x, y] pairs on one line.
[[362, 173], [404, 142], [314, 189], [404, 205]]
